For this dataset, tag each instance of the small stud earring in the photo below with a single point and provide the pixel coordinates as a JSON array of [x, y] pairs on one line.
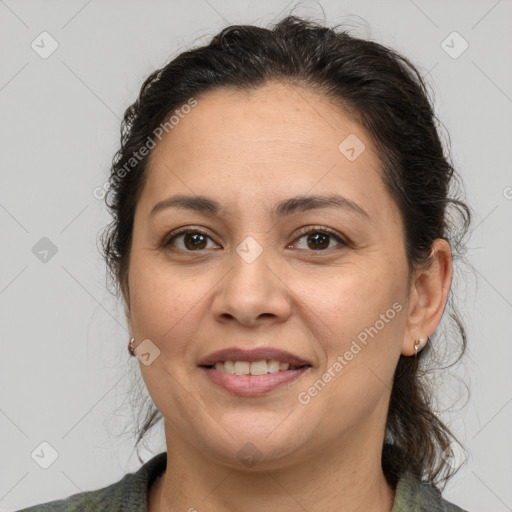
[[418, 345], [130, 347]]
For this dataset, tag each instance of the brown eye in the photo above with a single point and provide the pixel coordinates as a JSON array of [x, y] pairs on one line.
[[194, 241], [191, 240], [319, 240]]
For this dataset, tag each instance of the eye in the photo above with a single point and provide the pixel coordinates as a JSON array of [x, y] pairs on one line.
[[316, 239], [189, 240], [319, 239]]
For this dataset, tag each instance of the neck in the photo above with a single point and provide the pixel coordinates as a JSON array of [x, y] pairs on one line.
[[346, 478]]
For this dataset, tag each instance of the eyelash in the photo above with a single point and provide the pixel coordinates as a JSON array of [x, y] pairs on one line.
[[310, 230]]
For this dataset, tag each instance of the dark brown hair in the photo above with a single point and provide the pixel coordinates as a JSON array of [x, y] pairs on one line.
[[386, 95]]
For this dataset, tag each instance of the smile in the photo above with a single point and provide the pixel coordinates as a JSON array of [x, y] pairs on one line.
[[249, 384], [262, 367]]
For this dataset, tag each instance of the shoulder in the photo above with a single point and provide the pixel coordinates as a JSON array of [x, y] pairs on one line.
[[128, 494], [413, 495]]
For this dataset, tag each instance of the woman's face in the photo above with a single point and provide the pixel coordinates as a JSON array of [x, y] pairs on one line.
[[326, 282]]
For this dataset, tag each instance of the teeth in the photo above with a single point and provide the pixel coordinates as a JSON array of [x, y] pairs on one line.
[[242, 367], [220, 367], [229, 367], [255, 368], [273, 366]]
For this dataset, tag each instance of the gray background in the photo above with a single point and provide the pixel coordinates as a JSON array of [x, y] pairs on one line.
[[65, 372]]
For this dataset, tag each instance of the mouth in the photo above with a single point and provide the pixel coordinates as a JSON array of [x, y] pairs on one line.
[[256, 361], [252, 372], [262, 367], [252, 379]]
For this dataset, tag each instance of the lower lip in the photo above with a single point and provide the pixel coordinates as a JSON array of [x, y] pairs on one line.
[[253, 385]]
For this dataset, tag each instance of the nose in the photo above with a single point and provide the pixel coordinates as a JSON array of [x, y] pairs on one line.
[[252, 293]]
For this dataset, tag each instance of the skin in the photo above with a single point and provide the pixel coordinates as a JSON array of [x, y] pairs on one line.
[[248, 151]]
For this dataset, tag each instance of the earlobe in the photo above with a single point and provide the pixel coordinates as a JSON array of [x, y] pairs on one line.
[[420, 343], [428, 296]]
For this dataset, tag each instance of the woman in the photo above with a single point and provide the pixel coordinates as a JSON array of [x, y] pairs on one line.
[[282, 237]]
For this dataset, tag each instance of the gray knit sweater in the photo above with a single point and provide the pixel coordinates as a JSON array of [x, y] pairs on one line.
[[130, 494]]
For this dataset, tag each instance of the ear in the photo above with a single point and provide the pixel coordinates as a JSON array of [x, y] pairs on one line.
[[428, 295]]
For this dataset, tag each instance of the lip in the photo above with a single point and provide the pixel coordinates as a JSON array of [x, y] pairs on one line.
[[256, 354], [253, 385]]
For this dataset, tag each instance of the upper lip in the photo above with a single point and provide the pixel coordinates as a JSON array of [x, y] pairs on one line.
[[257, 354]]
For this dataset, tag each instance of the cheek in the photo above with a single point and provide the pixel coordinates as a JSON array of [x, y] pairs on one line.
[[163, 303], [358, 325], [358, 321], [353, 298]]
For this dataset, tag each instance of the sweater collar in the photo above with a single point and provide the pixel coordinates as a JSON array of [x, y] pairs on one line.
[[411, 494]]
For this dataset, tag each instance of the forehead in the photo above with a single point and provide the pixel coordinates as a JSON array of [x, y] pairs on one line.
[[278, 140], [274, 117]]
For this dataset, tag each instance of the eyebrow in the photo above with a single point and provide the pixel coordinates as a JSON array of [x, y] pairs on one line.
[[205, 205]]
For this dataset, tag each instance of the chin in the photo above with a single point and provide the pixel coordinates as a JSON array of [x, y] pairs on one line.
[[261, 450]]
